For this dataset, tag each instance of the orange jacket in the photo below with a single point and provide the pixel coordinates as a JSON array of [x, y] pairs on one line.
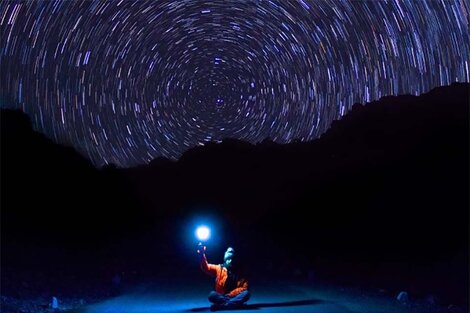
[[220, 273]]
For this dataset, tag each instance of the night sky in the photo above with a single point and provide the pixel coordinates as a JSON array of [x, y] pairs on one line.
[[125, 82]]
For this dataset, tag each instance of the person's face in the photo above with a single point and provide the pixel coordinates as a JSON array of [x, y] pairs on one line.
[[228, 255]]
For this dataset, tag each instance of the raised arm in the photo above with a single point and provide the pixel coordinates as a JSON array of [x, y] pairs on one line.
[[207, 268]]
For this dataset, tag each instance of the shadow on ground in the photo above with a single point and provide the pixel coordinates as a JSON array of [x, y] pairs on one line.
[[256, 306]]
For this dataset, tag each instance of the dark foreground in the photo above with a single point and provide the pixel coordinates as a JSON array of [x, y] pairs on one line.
[[190, 295]]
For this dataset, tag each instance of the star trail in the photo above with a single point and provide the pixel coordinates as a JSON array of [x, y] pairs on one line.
[[125, 82]]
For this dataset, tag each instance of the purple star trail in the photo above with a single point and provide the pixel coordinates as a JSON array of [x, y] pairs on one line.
[[125, 82]]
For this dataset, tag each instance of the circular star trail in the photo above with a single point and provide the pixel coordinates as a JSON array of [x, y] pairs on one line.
[[125, 82]]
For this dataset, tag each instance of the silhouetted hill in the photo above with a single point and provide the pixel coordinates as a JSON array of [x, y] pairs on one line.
[[51, 193], [394, 148], [391, 148]]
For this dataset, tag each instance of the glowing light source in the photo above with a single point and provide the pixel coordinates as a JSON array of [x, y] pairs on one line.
[[203, 233]]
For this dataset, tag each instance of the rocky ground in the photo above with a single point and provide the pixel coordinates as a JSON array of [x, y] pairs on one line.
[[179, 295]]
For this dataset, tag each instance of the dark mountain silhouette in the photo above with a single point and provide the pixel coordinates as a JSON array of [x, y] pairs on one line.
[[401, 159], [387, 183], [50, 192]]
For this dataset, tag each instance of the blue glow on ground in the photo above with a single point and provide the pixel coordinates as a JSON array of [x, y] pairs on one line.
[[269, 298]]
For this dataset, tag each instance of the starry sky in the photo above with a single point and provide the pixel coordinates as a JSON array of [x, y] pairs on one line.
[[125, 82]]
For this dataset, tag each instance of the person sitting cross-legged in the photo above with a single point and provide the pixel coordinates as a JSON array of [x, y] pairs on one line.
[[231, 287]]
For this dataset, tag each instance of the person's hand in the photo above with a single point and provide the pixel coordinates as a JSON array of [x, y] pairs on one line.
[[201, 249]]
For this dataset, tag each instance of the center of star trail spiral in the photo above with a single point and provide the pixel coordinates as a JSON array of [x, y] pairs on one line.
[[125, 82]]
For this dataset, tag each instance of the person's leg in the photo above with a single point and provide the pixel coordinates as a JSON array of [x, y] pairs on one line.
[[217, 298], [241, 298]]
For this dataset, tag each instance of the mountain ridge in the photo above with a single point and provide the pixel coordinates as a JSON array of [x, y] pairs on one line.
[[246, 181], [357, 108]]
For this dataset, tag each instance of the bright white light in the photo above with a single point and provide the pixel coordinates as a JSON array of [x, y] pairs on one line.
[[203, 233]]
